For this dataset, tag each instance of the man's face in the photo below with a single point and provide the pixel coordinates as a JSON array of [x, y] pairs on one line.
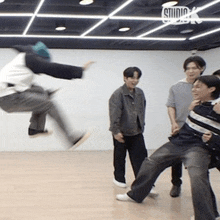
[[200, 91], [131, 82], [193, 71]]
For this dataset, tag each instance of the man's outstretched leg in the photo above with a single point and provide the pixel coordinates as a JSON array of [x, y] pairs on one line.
[[40, 104], [150, 169]]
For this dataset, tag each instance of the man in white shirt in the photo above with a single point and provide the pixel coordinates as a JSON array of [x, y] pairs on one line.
[[18, 94]]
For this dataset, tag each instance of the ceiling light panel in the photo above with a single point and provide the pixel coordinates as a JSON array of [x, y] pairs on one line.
[[205, 34], [70, 16], [95, 37]]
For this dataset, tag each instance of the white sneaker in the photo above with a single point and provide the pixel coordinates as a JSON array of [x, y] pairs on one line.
[[119, 184], [124, 197], [79, 140], [153, 193]]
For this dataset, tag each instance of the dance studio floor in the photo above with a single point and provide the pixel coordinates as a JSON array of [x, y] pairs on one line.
[[77, 185]]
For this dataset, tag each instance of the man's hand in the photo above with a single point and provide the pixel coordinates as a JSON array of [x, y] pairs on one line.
[[119, 137], [174, 129], [216, 108], [193, 104], [206, 137], [172, 115]]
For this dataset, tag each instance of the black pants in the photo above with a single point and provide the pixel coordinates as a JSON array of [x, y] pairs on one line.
[[176, 174], [137, 152]]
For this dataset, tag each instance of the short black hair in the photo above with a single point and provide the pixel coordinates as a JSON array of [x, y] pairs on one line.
[[199, 61], [216, 73], [129, 72], [211, 81]]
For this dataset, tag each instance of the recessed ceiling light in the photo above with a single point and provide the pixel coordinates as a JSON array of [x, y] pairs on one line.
[[124, 29], [60, 28], [86, 2], [186, 31], [169, 3]]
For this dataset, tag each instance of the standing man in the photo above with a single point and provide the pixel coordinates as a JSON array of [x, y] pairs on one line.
[[179, 100], [127, 119]]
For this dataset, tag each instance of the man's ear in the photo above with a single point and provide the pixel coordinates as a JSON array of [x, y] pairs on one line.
[[212, 89]]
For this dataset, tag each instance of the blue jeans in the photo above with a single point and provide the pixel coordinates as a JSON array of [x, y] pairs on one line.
[[195, 158]]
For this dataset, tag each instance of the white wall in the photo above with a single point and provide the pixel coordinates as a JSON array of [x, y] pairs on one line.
[[84, 103]]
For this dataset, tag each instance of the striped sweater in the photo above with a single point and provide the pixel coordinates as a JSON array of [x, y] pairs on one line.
[[200, 120]]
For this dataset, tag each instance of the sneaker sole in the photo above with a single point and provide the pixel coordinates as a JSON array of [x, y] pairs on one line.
[[81, 140], [122, 185], [153, 195], [124, 199], [41, 134]]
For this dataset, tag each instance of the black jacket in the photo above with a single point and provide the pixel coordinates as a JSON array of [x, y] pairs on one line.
[[39, 65]]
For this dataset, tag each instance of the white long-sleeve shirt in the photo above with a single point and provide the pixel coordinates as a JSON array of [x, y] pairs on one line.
[[15, 72], [21, 70]]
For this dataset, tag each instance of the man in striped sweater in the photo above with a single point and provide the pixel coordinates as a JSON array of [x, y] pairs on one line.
[[196, 142]]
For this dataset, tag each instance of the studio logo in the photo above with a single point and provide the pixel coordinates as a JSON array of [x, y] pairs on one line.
[[181, 14]]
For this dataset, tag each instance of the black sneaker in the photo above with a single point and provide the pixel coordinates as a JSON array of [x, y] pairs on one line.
[[175, 191], [33, 133]]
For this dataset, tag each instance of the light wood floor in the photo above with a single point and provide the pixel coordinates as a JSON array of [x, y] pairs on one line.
[[78, 186]]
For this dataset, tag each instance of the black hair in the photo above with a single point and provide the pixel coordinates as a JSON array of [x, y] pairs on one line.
[[211, 81], [129, 72], [216, 73], [199, 61]]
